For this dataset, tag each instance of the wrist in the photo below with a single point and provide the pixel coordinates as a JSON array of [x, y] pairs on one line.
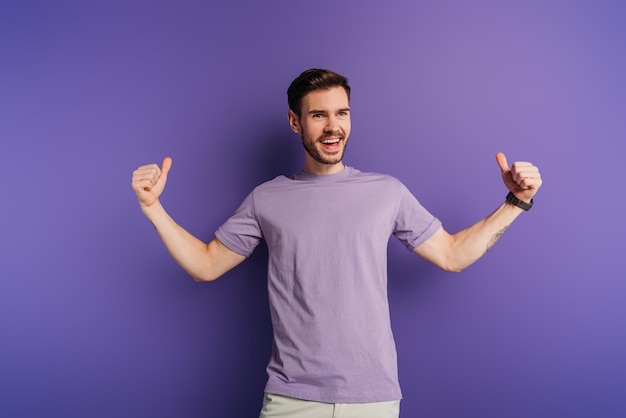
[[510, 198], [153, 210]]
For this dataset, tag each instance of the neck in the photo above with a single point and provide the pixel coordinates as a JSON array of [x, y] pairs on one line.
[[314, 167]]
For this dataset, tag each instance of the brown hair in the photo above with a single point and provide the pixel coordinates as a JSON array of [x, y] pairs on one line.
[[313, 79]]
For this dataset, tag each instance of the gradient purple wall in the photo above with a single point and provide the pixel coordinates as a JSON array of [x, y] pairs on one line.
[[97, 321]]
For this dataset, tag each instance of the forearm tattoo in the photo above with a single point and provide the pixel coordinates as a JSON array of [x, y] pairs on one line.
[[495, 238]]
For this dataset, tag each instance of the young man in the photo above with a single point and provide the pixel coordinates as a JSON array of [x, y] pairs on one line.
[[327, 230]]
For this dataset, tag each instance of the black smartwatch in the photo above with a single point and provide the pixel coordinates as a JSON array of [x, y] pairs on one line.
[[516, 202]]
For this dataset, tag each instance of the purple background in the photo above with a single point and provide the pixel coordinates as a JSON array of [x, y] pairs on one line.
[[97, 321]]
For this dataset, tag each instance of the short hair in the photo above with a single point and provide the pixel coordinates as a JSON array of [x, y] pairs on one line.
[[313, 79]]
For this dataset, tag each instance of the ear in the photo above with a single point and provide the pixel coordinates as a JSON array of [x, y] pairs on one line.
[[294, 121]]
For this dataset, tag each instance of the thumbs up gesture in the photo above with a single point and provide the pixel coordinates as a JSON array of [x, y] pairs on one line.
[[521, 178], [149, 181]]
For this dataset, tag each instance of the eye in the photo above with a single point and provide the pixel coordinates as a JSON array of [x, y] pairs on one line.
[[343, 113], [318, 115]]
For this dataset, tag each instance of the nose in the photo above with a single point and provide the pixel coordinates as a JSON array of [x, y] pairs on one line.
[[331, 125]]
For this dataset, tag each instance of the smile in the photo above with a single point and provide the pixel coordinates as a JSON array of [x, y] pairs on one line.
[[331, 141]]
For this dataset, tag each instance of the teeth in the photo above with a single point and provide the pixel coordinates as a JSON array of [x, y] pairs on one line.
[[330, 141]]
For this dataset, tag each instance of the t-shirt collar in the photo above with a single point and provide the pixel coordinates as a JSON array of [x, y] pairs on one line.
[[323, 177]]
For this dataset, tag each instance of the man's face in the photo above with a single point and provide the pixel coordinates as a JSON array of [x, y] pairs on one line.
[[324, 128]]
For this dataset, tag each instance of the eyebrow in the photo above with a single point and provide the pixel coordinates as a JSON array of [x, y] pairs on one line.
[[344, 109]]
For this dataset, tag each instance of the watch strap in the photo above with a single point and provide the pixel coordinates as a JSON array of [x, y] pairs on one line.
[[519, 203]]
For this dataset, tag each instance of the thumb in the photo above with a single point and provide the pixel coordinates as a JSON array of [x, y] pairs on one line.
[[166, 166], [504, 165]]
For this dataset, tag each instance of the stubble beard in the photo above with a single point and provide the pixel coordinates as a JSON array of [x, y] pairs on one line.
[[317, 155]]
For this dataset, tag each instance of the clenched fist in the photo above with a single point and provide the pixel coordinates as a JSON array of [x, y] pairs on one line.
[[522, 178], [149, 181]]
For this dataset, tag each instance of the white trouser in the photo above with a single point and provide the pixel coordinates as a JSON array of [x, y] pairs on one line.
[[277, 406]]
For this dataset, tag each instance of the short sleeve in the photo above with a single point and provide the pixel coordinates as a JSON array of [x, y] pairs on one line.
[[413, 224], [241, 232]]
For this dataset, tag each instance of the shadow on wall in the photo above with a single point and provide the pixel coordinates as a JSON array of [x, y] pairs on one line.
[[273, 152], [246, 342]]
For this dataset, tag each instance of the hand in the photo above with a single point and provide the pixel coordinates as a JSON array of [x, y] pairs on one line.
[[149, 181], [522, 178]]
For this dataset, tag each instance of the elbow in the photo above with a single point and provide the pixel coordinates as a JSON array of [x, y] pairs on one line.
[[204, 276], [201, 279], [453, 268], [457, 262], [456, 269]]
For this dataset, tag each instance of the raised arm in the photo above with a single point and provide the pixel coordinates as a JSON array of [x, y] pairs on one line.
[[458, 251], [203, 262]]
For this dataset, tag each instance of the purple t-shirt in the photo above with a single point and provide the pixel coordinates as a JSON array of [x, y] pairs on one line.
[[327, 238]]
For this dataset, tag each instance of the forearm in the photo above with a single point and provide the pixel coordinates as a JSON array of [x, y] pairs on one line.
[[189, 252], [457, 251], [202, 261], [465, 247], [472, 243]]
